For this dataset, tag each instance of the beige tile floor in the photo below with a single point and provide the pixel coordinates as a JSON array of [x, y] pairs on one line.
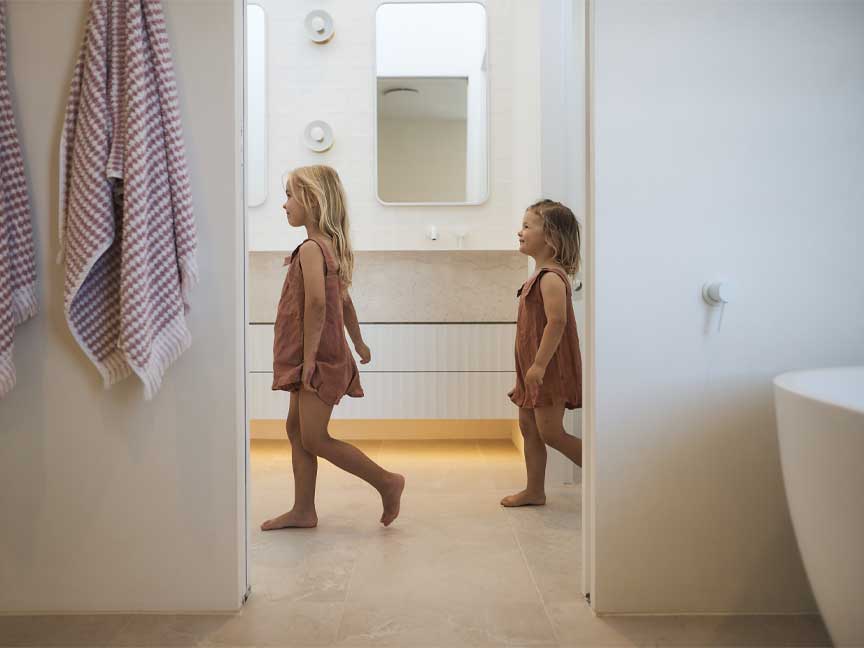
[[456, 569]]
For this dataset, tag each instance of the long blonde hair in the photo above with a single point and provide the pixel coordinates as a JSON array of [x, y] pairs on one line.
[[561, 230], [319, 189]]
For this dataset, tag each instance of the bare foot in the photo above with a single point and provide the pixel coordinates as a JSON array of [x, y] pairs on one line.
[[522, 498], [391, 497], [291, 520]]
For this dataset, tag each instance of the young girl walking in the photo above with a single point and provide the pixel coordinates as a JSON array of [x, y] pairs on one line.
[[311, 357], [548, 361]]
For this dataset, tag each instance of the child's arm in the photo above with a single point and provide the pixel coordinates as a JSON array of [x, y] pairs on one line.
[[353, 326], [314, 307], [555, 305]]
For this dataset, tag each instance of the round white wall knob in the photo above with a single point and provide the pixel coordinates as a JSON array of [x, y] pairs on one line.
[[318, 136], [717, 293], [319, 26]]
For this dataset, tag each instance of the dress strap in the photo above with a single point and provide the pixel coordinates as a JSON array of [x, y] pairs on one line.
[[562, 274], [528, 285], [329, 263]]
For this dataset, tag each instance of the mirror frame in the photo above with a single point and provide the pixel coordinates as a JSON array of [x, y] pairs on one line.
[[487, 192]]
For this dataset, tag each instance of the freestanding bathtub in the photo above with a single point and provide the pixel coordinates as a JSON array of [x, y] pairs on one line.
[[820, 424]]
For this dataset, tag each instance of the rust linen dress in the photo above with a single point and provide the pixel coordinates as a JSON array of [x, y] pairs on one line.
[[562, 382], [335, 371]]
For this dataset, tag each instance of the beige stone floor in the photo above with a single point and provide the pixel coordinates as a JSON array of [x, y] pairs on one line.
[[456, 569]]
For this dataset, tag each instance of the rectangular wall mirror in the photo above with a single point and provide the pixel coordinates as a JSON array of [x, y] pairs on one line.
[[432, 114]]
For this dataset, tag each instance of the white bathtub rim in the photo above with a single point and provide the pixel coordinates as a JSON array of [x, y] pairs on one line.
[[793, 383]]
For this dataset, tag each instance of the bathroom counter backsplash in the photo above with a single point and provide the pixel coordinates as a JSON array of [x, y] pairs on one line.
[[421, 286]]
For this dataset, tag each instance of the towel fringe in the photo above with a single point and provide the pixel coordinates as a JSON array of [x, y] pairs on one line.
[[7, 372]]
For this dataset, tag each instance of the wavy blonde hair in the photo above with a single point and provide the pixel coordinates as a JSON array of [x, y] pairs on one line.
[[561, 230], [319, 189]]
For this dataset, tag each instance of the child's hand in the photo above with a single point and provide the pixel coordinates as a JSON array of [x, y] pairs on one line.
[[364, 352], [306, 377], [533, 380]]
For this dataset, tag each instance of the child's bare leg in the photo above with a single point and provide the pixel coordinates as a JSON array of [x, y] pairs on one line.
[[535, 464], [550, 423], [314, 417], [305, 466]]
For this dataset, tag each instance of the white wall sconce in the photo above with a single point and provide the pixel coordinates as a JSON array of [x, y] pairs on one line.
[[319, 26], [318, 136]]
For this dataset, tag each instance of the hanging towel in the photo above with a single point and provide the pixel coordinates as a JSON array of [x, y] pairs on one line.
[[126, 226], [17, 259]]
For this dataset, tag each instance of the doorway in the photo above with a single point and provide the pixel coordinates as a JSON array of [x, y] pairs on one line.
[[433, 461]]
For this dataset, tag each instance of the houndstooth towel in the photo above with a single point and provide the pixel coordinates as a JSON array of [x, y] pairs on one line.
[[126, 225], [17, 259]]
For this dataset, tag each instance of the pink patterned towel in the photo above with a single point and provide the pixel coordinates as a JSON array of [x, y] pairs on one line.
[[17, 259], [126, 226]]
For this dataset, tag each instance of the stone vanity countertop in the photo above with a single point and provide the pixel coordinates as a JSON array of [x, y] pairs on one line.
[[470, 286]]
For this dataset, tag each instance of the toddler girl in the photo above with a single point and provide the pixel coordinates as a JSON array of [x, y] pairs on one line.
[[548, 362]]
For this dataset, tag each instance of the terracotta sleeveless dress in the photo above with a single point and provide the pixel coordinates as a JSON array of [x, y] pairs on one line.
[[335, 370], [562, 382]]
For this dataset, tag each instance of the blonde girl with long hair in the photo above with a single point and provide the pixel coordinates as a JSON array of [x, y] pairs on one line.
[[311, 357], [548, 360]]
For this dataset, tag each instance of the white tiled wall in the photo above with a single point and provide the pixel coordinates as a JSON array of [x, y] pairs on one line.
[[335, 82]]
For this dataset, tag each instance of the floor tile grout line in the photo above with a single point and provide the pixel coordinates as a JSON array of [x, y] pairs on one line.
[[366, 543], [347, 594], [533, 579], [512, 526]]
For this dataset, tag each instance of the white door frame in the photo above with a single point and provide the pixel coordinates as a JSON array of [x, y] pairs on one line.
[[589, 573], [243, 537], [589, 395]]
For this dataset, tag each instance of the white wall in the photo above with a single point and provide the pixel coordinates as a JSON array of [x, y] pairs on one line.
[[562, 81], [729, 139], [336, 82], [405, 34], [111, 503], [257, 170]]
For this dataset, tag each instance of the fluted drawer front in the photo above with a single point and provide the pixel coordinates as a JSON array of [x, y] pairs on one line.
[[415, 347], [440, 347], [423, 395]]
